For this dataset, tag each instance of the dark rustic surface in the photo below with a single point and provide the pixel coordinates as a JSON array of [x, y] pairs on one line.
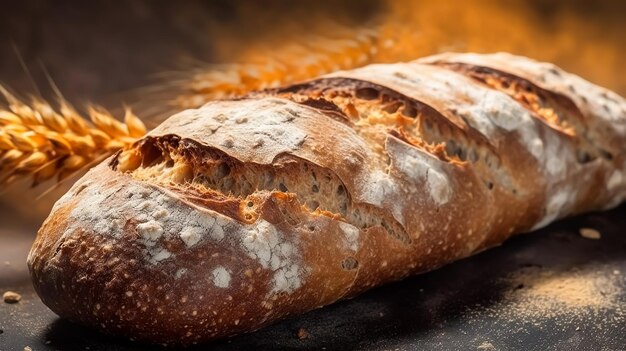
[[458, 307]]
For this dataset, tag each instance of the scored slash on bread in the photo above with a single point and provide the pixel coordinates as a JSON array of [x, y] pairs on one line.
[[229, 217]]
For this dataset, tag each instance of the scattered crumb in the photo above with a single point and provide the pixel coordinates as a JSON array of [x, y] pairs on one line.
[[589, 233], [48, 342], [303, 334], [27, 348], [8, 263], [11, 297], [616, 272], [486, 345]]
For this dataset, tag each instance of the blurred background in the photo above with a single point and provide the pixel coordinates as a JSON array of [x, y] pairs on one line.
[[149, 53]]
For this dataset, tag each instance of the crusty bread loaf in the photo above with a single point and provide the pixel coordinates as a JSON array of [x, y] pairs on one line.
[[229, 217]]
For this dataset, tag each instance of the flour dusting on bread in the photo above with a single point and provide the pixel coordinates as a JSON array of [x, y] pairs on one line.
[[274, 252], [351, 234], [221, 277], [155, 216]]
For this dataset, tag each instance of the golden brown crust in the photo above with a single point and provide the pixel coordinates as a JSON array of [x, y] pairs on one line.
[[231, 216], [161, 289]]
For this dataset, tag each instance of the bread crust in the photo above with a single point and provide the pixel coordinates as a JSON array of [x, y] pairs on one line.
[[130, 249]]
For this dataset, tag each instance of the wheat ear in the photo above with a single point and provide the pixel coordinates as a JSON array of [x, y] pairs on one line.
[[292, 62], [39, 141]]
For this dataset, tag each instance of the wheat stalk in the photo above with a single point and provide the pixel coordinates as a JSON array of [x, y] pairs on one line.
[[39, 141], [293, 62]]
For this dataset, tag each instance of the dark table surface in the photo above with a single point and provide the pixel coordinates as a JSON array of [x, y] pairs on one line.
[[466, 305]]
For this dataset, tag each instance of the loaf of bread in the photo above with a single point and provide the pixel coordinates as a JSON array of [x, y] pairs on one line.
[[229, 217]]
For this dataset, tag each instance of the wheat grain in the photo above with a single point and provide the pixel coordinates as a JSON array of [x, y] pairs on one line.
[[41, 142]]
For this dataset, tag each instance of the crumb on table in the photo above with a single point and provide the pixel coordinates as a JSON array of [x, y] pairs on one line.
[[486, 345], [11, 297], [303, 334], [589, 233]]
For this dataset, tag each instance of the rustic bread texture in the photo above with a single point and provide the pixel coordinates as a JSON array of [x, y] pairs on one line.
[[229, 217]]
